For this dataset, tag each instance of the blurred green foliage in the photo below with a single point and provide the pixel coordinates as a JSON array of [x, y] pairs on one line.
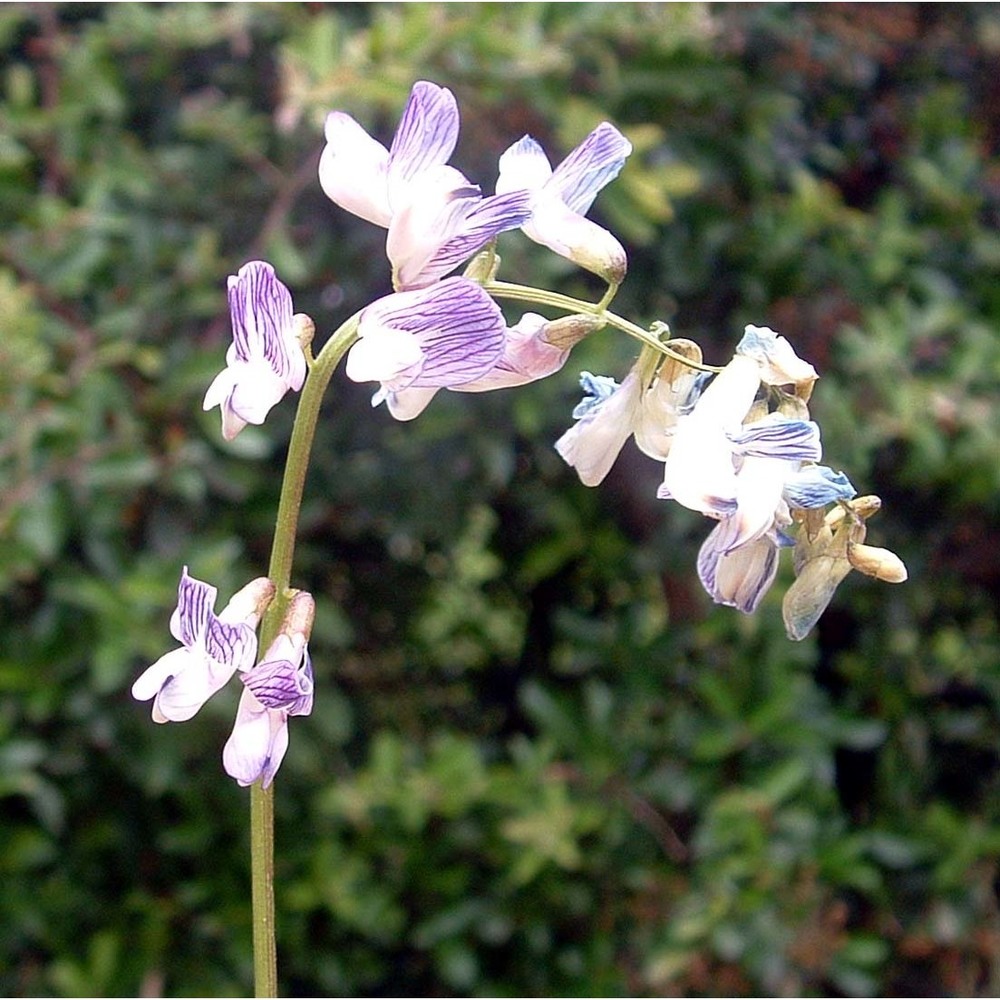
[[540, 763]]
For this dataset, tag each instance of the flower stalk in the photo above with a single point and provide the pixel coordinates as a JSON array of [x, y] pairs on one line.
[[280, 569]]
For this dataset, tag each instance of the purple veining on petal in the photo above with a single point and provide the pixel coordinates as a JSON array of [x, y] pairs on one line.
[[591, 166], [427, 132], [793, 440], [490, 216], [261, 309], [816, 486], [460, 329], [195, 601], [232, 644], [279, 684]]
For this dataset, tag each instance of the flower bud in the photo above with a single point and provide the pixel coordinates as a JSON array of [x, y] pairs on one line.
[[483, 267], [305, 329], [250, 602], [879, 563], [567, 331]]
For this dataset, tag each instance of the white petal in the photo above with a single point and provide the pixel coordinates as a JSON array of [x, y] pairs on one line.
[[436, 204], [221, 387], [353, 170], [592, 444], [382, 354], [524, 166], [570, 235], [699, 472], [409, 403], [246, 751], [182, 697], [256, 391], [777, 360], [149, 682]]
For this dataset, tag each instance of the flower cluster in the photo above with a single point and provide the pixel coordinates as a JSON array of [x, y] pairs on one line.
[[739, 448], [213, 648], [737, 443], [433, 334]]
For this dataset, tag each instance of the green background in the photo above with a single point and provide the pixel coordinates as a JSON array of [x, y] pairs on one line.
[[540, 761]]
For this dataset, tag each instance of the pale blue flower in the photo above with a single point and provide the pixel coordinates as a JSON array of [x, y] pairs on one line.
[[563, 196], [266, 357], [213, 647], [435, 217]]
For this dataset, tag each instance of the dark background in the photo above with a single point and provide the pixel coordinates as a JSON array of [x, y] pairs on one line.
[[540, 761]]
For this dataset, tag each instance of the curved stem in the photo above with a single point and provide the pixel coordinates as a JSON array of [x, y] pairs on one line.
[[265, 965], [543, 297]]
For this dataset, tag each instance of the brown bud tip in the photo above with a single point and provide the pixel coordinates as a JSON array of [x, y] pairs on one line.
[[299, 615], [305, 329], [566, 331]]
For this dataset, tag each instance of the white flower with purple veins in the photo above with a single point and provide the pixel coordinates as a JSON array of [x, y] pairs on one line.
[[266, 357], [562, 197], [280, 686], [417, 342], [213, 647], [435, 217]]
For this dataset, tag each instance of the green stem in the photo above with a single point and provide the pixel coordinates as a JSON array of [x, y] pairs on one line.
[[543, 297], [265, 964]]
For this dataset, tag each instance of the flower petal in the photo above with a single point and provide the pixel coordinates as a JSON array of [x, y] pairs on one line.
[[406, 404], [603, 426], [527, 357], [483, 222], [283, 679], [816, 486], [523, 167], [183, 695], [556, 226], [195, 603], [353, 170], [739, 578], [147, 685], [778, 437], [459, 329], [258, 742], [591, 166], [383, 353], [426, 135], [779, 364]]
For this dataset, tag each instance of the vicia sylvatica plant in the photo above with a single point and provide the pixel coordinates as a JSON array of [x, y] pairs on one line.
[[736, 442]]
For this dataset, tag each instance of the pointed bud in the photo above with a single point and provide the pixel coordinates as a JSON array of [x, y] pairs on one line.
[[305, 329], [483, 267], [299, 615], [566, 331], [250, 602], [879, 563], [864, 507]]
